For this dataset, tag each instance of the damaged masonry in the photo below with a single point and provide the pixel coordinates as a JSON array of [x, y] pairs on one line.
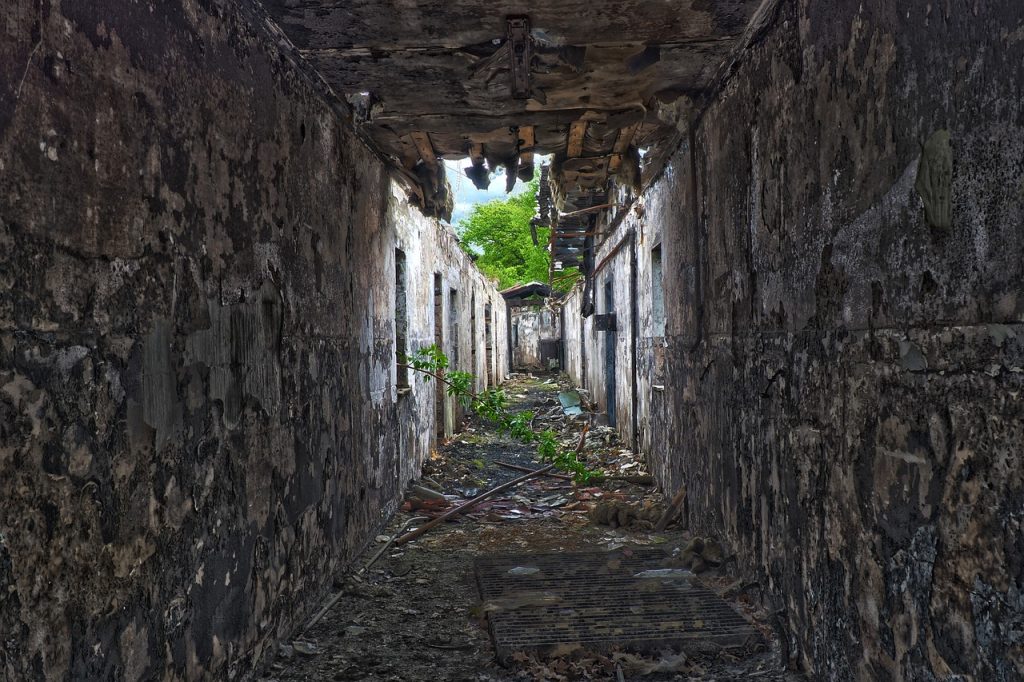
[[263, 417]]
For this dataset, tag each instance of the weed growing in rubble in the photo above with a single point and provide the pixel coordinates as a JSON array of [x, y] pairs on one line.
[[492, 405]]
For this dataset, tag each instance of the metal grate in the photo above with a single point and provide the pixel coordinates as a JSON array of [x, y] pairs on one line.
[[595, 599]]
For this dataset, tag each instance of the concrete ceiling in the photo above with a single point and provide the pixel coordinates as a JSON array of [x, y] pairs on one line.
[[598, 80]]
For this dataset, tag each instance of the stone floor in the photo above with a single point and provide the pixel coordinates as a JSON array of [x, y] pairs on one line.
[[415, 613]]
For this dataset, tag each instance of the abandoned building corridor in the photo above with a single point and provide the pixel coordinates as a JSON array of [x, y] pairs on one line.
[[782, 257], [415, 611]]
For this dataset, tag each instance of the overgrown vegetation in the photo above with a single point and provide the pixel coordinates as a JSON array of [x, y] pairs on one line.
[[498, 235], [492, 405]]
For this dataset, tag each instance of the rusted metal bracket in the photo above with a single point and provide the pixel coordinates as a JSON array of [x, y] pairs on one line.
[[519, 44]]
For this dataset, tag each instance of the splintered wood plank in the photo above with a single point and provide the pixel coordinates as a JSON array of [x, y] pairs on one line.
[[622, 143], [576, 133], [625, 138], [527, 140], [426, 150]]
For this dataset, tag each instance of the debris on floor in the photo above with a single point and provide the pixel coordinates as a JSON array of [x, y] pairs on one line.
[[571, 403], [413, 611]]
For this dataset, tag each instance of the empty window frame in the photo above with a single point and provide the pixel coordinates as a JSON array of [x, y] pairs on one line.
[[401, 320], [453, 326], [657, 294], [472, 333]]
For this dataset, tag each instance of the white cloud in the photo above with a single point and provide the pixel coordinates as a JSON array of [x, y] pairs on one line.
[[467, 195]]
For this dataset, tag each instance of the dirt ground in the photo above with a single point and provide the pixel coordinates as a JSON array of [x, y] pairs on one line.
[[415, 613]]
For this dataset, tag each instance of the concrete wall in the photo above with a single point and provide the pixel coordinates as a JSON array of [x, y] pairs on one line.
[[532, 325], [199, 418], [843, 361], [574, 335], [431, 249], [624, 253]]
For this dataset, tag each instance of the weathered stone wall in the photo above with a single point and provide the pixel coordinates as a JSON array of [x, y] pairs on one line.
[[198, 404], [432, 255], [627, 246], [573, 335], [844, 273], [845, 345], [532, 325]]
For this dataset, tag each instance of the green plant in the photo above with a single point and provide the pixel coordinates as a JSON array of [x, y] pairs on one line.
[[492, 405]]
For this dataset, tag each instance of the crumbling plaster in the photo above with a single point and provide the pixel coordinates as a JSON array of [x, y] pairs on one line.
[[197, 381]]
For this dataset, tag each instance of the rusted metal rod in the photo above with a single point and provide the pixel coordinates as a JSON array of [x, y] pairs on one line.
[[519, 468], [412, 535], [589, 209]]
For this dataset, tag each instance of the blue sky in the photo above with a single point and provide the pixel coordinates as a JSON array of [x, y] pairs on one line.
[[467, 196]]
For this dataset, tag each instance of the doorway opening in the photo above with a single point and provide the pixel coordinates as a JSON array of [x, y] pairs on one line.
[[609, 352], [489, 341]]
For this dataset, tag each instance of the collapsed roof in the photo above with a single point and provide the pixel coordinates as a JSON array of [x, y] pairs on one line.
[[593, 83]]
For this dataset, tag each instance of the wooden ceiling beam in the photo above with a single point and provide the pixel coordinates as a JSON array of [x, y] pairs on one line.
[[621, 146], [519, 52], [476, 153], [577, 131], [527, 141], [423, 146]]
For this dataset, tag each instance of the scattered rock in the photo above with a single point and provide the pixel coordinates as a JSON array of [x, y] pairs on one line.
[[619, 514], [700, 554], [305, 648]]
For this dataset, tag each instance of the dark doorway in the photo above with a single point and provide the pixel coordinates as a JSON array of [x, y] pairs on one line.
[[453, 327], [472, 339], [609, 352], [489, 340], [439, 342], [401, 321]]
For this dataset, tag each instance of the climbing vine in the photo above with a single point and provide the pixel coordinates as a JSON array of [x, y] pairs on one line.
[[492, 405]]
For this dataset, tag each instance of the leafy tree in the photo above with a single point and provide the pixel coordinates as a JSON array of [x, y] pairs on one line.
[[498, 235]]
